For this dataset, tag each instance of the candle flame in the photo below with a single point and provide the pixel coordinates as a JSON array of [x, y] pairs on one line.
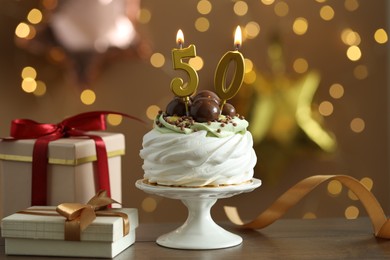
[[180, 37], [238, 37]]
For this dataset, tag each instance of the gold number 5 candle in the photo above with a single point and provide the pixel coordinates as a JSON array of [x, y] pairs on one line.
[[222, 91], [178, 87]]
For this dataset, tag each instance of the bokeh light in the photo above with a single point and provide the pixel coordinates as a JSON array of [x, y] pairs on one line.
[[34, 16], [357, 125], [336, 91], [196, 62], [204, 7], [309, 215], [350, 37], [268, 2], [157, 60], [250, 77], [29, 85], [149, 204], [88, 97], [40, 90], [334, 187], [281, 9], [300, 65], [327, 13], [380, 36], [325, 108], [300, 26], [28, 72], [351, 212], [202, 24], [240, 8], [351, 5], [354, 53], [144, 16], [22, 30], [114, 119], [252, 30], [152, 111]]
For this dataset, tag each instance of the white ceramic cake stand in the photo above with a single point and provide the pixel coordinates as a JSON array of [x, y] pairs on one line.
[[199, 230]]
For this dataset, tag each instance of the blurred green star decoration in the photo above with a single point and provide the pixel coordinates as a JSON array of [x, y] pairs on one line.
[[282, 117]]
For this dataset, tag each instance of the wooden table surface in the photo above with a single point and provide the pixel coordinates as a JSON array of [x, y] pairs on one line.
[[285, 239]]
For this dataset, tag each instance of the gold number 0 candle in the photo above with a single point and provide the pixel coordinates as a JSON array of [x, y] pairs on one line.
[[226, 93], [178, 87]]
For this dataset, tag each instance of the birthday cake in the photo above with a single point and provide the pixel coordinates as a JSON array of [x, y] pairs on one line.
[[195, 144]]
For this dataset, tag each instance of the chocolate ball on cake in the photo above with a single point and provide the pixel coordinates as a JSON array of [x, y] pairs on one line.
[[205, 109], [229, 110], [207, 94], [176, 107]]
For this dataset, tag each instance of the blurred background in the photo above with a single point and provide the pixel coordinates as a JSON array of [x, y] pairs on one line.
[[315, 89]]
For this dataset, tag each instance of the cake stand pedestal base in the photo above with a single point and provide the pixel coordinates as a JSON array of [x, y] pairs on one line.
[[199, 231]]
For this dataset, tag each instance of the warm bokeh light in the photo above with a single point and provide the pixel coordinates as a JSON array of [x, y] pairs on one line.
[[336, 91], [29, 85], [351, 212], [327, 13], [357, 125], [352, 195], [202, 24], [367, 182], [300, 65], [22, 30], [350, 37], [248, 65], [325, 108], [157, 60], [354, 53], [40, 90], [144, 16], [360, 72], [252, 29], [149, 204], [268, 2], [240, 8], [250, 77], [88, 97], [380, 36], [300, 26], [34, 16], [204, 7], [196, 62], [152, 111], [281, 9], [309, 215], [28, 72], [114, 119], [334, 187], [351, 5]]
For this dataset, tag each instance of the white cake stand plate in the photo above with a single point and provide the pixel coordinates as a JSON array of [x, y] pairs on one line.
[[199, 230]]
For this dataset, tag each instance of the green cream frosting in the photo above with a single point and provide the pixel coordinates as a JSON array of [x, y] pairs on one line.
[[226, 126]]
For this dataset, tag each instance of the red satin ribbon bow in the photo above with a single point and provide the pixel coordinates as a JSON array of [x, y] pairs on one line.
[[45, 133]]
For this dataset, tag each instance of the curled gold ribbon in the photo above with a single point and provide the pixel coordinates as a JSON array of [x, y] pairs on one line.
[[381, 224]]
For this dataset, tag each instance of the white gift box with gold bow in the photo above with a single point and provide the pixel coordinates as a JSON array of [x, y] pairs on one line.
[[71, 170], [43, 234]]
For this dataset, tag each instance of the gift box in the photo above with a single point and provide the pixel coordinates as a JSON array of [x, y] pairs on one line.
[[35, 234], [71, 170]]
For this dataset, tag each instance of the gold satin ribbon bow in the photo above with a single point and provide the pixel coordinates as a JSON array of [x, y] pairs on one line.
[[381, 224], [80, 216]]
